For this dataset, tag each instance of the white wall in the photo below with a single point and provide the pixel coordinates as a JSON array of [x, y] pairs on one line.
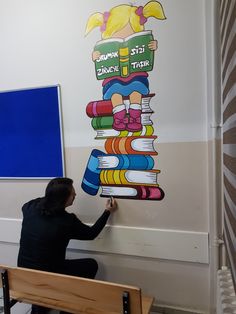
[[43, 43]]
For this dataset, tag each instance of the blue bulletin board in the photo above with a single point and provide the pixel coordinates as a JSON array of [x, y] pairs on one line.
[[31, 143]]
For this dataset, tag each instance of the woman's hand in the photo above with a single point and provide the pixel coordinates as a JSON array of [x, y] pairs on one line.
[[111, 204]]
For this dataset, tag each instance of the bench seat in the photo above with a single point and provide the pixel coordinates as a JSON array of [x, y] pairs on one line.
[[71, 294]]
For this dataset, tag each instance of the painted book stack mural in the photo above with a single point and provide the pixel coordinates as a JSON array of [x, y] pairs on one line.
[[122, 118]]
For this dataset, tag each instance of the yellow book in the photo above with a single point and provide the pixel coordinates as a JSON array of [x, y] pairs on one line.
[[129, 177]]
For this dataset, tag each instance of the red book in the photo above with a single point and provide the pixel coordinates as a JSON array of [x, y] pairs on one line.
[[98, 108], [141, 192]]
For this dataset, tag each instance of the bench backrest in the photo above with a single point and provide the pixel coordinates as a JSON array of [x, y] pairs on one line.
[[72, 294]]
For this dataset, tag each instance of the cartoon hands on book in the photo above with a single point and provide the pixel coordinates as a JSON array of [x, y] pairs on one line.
[[153, 45], [96, 55]]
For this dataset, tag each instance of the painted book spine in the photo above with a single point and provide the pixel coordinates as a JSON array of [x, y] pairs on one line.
[[102, 122], [91, 180], [99, 108], [124, 61]]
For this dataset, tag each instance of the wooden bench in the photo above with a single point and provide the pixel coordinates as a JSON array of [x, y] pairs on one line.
[[69, 293]]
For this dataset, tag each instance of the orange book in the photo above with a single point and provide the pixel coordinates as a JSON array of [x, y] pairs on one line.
[[142, 145]]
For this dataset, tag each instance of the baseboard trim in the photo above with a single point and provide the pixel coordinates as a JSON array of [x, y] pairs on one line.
[[166, 309], [179, 245]]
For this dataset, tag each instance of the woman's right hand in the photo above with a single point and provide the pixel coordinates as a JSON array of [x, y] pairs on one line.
[[111, 204]]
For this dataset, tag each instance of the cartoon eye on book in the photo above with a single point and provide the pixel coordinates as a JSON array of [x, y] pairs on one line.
[[122, 118]]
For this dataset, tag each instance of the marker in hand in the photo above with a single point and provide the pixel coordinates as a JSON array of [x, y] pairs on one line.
[[111, 204], [111, 201]]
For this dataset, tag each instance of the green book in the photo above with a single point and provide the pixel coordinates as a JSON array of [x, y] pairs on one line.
[[105, 122], [121, 57], [102, 122]]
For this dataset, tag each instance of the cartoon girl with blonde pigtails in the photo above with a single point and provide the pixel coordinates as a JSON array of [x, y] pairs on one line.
[[121, 22]]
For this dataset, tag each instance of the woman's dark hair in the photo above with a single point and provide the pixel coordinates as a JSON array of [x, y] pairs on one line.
[[57, 193]]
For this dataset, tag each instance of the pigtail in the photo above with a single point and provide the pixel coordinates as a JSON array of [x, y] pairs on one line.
[[95, 20], [114, 20], [154, 9]]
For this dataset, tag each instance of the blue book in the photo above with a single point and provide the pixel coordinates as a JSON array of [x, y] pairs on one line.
[[91, 180], [125, 161]]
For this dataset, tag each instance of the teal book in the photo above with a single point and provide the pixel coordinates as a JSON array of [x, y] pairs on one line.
[[124, 161], [121, 57]]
